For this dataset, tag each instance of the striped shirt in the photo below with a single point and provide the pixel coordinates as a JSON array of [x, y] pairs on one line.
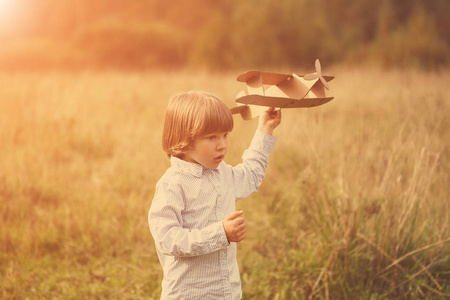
[[185, 220]]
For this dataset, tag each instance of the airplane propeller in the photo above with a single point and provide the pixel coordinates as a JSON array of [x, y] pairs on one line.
[[317, 74]]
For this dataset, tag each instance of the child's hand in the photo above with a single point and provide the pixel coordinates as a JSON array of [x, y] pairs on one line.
[[234, 227], [269, 120]]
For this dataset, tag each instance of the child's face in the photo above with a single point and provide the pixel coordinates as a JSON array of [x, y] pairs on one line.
[[208, 150]]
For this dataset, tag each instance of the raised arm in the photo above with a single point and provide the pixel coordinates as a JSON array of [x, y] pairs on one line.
[[248, 175]]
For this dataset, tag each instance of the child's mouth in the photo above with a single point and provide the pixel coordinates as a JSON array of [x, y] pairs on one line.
[[219, 158]]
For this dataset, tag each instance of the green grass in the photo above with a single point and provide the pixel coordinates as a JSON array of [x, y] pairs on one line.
[[355, 203]]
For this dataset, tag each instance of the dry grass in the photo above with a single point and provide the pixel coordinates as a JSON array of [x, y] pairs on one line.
[[355, 203]]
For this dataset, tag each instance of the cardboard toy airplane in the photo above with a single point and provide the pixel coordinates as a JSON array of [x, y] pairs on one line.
[[284, 91]]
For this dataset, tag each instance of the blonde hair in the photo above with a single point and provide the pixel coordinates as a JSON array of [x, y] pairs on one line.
[[192, 114]]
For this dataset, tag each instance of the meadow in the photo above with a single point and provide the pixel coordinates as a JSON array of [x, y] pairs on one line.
[[355, 203]]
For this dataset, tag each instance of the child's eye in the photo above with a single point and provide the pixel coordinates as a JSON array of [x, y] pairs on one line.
[[226, 135], [211, 137]]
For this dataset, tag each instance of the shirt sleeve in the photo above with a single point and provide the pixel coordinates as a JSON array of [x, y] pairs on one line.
[[248, 175], [166, 225]]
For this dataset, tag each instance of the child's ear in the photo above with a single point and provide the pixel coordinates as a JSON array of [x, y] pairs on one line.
[[184, 150], [190, 146]]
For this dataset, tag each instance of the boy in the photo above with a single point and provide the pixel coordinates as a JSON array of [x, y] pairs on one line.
[[192, 217]]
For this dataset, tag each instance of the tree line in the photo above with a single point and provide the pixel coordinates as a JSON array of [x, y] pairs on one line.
[[225, 34]]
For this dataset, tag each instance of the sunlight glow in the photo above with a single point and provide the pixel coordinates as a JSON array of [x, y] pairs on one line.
[[5, 5], [8, 15]]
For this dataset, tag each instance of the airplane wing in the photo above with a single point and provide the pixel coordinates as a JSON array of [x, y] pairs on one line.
[[309, 102], [282, 102], [266, 77]]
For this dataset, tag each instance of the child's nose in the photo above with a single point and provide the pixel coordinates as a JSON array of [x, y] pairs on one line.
[[221, 144]]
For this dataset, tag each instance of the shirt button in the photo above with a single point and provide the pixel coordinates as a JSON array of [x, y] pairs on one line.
[[219, 199], [223, 254], [226, 282], [220, 245]]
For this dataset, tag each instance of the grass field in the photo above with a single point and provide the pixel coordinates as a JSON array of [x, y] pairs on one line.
[[355, 203]]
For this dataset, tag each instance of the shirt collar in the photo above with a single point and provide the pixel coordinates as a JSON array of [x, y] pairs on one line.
[[191, 168]]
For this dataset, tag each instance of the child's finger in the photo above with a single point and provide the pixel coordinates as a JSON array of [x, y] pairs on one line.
[[269, 110], [239, 221], [234, 215]]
